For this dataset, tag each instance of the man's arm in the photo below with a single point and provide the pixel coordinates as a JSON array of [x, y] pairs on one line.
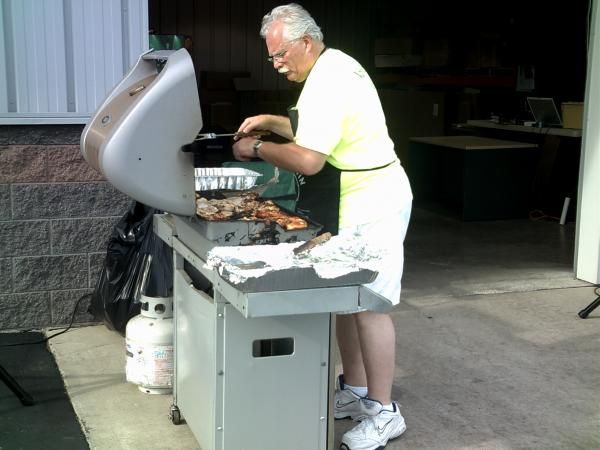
[[288, 156]]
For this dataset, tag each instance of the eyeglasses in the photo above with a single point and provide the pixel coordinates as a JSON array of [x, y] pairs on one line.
[[281, 54]]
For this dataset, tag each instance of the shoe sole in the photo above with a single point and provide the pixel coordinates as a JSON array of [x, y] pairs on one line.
[[355, 419], [345, 447], [381, 447], [358, 418]]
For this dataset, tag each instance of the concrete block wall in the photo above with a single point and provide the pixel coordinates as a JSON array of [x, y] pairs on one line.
[[56, 215]]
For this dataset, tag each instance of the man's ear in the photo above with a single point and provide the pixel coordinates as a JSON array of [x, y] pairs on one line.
[[308, 43]]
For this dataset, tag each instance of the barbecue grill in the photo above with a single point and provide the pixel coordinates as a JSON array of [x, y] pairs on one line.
[[253, 356]]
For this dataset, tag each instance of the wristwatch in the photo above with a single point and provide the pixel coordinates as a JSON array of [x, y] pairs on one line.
[[256, 146]]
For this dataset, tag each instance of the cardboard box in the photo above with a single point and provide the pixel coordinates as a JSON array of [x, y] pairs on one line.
[[394, 46], [396, 52], [572, 114]]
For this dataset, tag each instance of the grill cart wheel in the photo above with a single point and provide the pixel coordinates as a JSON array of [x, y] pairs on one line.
[[175, 415]]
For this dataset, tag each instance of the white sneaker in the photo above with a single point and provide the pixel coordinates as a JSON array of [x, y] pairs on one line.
[[347, 404], [374, 432]]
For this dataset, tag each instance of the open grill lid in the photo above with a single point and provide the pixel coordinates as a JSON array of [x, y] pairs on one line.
[[134, 138]]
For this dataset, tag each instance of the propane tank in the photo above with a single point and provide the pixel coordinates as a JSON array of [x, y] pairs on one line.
[[149, 342]]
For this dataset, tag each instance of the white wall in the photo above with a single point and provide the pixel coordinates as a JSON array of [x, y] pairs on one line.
[[587, 257], [3, 92], [59, 58]]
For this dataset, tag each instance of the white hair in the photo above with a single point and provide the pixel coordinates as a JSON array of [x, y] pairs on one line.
[[297, 22]]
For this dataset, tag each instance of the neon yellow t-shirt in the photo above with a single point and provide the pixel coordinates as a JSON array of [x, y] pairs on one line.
[[340, 115]]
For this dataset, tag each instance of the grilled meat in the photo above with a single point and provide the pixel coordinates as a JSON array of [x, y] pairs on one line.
[[247, 206]]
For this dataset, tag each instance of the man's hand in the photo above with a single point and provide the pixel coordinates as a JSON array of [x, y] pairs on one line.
[[250, 124], [276, 124], [242, 149]]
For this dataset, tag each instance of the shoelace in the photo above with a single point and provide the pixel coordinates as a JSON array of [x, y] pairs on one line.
[[364, 425]]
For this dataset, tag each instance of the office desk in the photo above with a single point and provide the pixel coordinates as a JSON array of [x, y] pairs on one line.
[[557, 169], [480, 178], [565, 132]]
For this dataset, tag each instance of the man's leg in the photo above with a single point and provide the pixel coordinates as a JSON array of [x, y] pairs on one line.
[[380, 417], [378, 348], [350, 350], [367, 343]]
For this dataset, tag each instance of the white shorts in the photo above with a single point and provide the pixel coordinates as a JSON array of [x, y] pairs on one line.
[[388, 235]]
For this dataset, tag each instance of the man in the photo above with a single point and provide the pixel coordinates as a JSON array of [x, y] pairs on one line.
[[351, 181]]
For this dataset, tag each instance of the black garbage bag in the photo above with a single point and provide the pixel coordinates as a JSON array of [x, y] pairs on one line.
[[137, 262]]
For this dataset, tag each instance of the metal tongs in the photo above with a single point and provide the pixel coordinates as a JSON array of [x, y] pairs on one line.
[[238, 135], [206, 136]]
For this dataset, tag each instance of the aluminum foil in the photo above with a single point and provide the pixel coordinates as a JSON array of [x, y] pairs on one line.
[[231, 178], [339, 256]]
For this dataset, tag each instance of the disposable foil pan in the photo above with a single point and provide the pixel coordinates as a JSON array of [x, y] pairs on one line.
[[231, 178]]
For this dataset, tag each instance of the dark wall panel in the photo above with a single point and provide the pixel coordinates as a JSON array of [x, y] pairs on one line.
[[185, 22], [221, 36], [463, 44], [201, 36], [238, 37], [225, 33]]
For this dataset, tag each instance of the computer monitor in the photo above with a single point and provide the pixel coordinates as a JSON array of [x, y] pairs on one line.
[[544, 111]]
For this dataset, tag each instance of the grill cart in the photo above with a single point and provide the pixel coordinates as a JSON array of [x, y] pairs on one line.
[[253, 340]]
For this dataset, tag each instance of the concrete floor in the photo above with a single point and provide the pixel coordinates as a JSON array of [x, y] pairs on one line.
[[490, 350]]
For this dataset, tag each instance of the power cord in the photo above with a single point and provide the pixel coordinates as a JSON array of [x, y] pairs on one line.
[[538, 214], [47, 338]]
